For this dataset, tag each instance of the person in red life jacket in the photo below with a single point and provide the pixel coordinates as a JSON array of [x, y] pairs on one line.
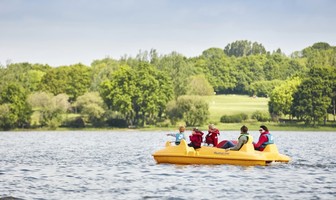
[[196, 138], [265, 138], [212, 137]]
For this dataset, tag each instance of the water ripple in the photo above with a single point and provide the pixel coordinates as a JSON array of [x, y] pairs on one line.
[[104, 165]]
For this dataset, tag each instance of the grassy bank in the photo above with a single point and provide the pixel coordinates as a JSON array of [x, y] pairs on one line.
[[220, 105]]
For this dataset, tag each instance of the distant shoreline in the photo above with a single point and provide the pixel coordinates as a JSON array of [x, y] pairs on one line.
[[222, 127]]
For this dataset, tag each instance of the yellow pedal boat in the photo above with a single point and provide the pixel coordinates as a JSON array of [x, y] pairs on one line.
[[247, 156]]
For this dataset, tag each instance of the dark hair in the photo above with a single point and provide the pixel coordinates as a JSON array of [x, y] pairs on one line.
[[244, 129], [264, 127]]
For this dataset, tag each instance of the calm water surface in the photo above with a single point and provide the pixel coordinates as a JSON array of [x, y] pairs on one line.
[[119, 165]]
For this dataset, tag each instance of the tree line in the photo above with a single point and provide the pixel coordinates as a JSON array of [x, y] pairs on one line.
[[153, 89]]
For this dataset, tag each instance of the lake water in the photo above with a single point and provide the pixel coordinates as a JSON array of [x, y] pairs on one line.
[[119, 165]]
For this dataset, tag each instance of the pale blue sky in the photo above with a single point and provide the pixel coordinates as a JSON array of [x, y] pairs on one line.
[[64, 32]]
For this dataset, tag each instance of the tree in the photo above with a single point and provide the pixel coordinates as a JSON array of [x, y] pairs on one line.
[[102, 70], [140, 93], [246, 71], [281, 97], [33, 79], [312, 98], [216, 67], [322, 54], [15, 96], [7, 118], [178, 68], [40, 99], [92, 107], [50, 108], [191, 109], [199, 85], [25, 74], [332, 107], [263, 88], [173, 113], [72, 80], [119, 91], [241, 48]]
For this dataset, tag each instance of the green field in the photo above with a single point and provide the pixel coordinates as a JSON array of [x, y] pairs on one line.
[[220, 105]]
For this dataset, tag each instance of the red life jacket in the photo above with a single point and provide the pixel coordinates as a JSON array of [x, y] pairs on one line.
[[196, 139], [212, 137]]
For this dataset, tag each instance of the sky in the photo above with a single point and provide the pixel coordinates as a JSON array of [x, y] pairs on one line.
[[66, 32]]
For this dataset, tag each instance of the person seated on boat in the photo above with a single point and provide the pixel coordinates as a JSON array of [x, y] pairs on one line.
[[212, 137], [265, 138], [242, 139], [178, 136], [196, 138]]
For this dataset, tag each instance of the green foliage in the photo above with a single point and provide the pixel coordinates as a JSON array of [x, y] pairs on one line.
[[261, 116], [51, 117], [119, 91], [236, 118], [320, 83], [191, 109], [263, 88], [102, 70], [321, 46], [61, 101], [34, 78], [77, 122], [72, 80], [139, 88], [178, 68], [40, 100], [25, 74], [248, 70], [115, 119], [92, 107], [281, 97], [173, 112], [241, 48], [95, 114], [15, 96], [50, 107], [217, 68], [140, 93], [199, 85], [313, 96], [89, 99], [7, 118]]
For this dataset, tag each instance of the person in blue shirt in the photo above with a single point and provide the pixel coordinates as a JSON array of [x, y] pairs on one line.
[[178, 136]]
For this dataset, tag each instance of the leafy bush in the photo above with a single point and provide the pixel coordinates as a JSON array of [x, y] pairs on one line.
[[261, 116], [115, 119], [77, 122], [237, 118], [165, 123], [192, 109]]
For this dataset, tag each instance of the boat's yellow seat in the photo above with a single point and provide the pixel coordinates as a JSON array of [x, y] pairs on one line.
[[248, 146], [168, 144], [271, 148]]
